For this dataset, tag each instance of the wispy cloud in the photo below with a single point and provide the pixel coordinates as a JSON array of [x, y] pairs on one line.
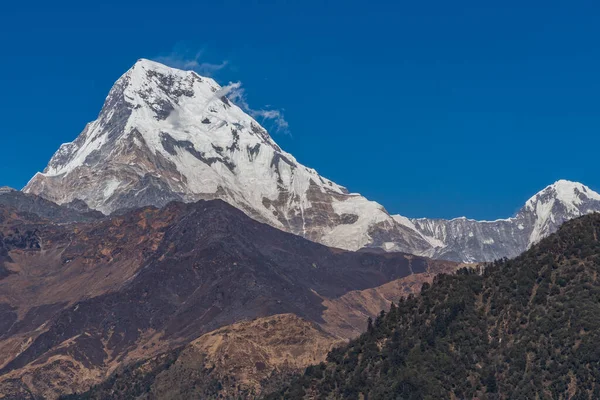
[[184, 59], [281, 125], [236, 93]]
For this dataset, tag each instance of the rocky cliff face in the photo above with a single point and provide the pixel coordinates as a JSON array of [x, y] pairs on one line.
[[164, 134]]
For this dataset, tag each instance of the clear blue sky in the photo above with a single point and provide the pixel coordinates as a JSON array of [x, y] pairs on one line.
[[432, 108]]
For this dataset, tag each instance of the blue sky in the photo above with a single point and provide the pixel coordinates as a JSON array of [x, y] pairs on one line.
[[431, 108]]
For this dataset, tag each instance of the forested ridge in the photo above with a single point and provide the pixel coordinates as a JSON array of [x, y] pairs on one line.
[[525, 328]]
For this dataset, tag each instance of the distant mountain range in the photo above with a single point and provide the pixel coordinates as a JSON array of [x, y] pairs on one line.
[[166, 134]]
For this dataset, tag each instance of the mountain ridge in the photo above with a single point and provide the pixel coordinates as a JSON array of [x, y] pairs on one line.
[[79, 300], [165, 135], [540, 216]]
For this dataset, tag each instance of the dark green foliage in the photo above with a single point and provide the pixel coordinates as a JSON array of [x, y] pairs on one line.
[[517, 329]]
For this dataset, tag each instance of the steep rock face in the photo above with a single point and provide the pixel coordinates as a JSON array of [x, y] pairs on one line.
[[164, 134], [469, 240]]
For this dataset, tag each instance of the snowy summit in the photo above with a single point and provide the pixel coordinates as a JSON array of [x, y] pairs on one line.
[[165, 134]]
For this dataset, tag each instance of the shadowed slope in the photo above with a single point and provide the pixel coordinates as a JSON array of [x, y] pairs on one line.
[[92, 297]]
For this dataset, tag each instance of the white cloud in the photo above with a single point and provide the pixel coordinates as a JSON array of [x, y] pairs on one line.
[[281, 125], [185, 60], [235, 92], [182, 58]]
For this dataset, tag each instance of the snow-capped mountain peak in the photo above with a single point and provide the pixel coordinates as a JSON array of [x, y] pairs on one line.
[[572, 195], [151, 97], [470, 240], [165, 134], [561, 201]]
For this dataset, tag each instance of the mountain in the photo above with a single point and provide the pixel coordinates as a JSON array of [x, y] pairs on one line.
[[254, 358], [469, 240], [526, 328], [81, 300], [164, 134], [238, 361], [76, 211]]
